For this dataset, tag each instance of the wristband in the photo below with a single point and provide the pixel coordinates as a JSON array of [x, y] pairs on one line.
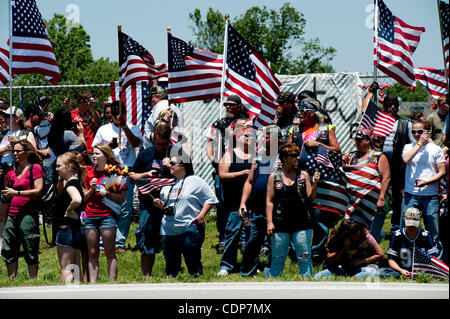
[[420, 144]]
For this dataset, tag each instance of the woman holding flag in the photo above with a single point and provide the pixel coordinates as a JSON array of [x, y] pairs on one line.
[[185, 205], [368, 176]]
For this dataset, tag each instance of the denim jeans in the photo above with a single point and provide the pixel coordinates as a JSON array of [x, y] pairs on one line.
[[302, 245], [429, 206], [148, 238], [256, 233], [124, 217], [359, 272], [221, 213], [320, 238], [232, 237], [386, 272], [188, 244]]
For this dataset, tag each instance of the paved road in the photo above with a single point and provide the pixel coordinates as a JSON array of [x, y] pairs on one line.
[[230, 291]]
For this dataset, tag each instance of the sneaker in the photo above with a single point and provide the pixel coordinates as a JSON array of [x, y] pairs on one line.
[[222, 272]]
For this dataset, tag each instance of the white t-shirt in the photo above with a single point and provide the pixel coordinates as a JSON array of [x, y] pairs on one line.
[[153, 120], [191, 198], [424, 166], [126, 154]]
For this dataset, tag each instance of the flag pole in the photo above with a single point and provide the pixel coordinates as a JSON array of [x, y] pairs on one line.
[[375, 41], [10, 72], [442, 44], [225, 48], [119, 30]]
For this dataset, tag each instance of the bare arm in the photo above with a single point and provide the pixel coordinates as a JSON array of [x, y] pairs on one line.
[[385, 172], [247, 189], [224, 169], [269, 205]]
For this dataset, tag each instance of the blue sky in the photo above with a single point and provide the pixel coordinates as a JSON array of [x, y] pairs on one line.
[[340, 24]]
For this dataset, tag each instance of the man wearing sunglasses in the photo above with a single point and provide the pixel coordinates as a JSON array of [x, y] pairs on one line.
[[392, 146], [217, 140]]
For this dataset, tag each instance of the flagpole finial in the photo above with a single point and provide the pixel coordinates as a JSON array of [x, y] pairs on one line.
[[169, 29], [227, 16], [119, 27]]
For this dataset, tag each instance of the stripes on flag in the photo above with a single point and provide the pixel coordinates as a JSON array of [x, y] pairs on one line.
[[428, 264], [363, 183], [134, 96], [444, 13], [137, 64], [248, 75], [32, 51], [434, 80], [4, 66], [147, 185], [396, 41], [194, 74], [377, 120]]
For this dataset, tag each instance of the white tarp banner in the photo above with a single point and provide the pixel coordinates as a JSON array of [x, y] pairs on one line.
[[340, 93]]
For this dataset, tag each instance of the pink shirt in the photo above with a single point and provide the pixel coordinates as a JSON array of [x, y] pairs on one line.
[[22, 204]]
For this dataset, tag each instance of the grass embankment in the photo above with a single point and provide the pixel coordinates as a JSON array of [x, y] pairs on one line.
[[129, 265]]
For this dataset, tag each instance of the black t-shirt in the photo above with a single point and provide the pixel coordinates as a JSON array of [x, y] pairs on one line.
[[232, 190], [294, 215], [63, 201]]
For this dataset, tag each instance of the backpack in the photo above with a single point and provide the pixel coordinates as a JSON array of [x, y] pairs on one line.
[[46, 199]]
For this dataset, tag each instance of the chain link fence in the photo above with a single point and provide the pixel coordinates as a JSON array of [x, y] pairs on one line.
[[385, 82]]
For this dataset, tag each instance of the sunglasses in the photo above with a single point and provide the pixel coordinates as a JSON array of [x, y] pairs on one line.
[[418, 131], [18, 151], [294, 155], [230, 104], [172, 163]]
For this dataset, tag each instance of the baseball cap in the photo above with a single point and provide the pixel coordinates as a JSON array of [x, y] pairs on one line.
[[309, 104], [14, 110], [412, 217], [156, 90], [306, 94], [79, 148], [42, 98], [391, 99], [234, 98]]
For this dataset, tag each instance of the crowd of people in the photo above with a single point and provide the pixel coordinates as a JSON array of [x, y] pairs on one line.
[[266, 194]]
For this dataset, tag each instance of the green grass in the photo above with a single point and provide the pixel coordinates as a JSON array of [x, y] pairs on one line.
[[129, 266]]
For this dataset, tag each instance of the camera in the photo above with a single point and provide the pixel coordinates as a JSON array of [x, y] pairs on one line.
[[169, 211]]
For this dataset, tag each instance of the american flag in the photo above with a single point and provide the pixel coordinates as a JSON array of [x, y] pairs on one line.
[[32, 51], [434, 80], [322, 156], [137, 108], [4, 66], [147, 185], [428, 264], [396, 41], [248, 75], [331, 198], [137, 64], [194, 74], [379, 121], [363, 187], [444, 14]]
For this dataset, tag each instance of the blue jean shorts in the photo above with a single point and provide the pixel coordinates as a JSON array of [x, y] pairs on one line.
[[100, 222], [70, 237]]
